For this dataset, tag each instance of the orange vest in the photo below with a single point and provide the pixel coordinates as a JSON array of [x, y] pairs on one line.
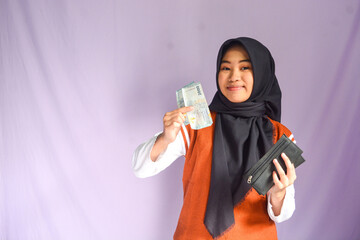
[[251, 218]]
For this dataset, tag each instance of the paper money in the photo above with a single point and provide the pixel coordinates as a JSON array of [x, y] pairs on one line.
[[193, 95]]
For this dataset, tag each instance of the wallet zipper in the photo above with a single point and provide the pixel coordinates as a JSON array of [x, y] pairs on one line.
[[249, 180]]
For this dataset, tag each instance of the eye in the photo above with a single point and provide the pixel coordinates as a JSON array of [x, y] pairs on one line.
[[225, 69], [244, 68]]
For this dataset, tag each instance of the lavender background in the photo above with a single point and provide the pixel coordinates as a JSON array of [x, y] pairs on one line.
[[82, 83]]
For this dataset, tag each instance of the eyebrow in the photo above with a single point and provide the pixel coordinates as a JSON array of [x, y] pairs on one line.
[[245, 60]]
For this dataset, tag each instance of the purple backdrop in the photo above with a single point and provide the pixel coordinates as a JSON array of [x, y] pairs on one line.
[[82, 83]]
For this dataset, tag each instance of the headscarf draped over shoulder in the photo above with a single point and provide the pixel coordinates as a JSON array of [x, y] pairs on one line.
[[243, 134]]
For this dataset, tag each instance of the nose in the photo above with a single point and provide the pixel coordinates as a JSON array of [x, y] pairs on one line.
[[234, 76]]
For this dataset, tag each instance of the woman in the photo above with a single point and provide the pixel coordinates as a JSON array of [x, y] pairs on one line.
[[218, 203]]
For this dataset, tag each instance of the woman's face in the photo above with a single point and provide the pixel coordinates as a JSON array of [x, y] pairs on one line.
[[236, 75]]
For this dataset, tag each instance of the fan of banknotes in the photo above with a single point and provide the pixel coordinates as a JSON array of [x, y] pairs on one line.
[[193, 95]]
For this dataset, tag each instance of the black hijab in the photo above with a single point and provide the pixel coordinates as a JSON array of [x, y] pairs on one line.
[[243, 134]]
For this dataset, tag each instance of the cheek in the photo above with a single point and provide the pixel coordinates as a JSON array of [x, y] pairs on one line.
[[221, 80], [220, 76], [250, 79]]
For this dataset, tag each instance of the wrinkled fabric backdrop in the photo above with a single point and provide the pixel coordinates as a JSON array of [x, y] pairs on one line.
[[82, 83]]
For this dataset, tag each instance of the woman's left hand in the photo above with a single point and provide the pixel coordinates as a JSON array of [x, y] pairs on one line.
[[278, 191]]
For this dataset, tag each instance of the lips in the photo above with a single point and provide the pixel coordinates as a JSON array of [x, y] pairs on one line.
[[235, 88]]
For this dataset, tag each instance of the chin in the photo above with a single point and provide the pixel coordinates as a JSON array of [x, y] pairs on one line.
[[237, 100]]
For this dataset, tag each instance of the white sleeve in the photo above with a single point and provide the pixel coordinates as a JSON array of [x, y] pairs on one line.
[[287, 208], [144, 167]]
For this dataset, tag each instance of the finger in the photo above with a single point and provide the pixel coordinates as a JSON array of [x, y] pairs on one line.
[[172, 130], [288, 163], [173, 116], [174, 122], [178, 111], [290, 168], [182, 116], [277, 181], [185, 109], [167, 116], [279, 169], [177, 117]]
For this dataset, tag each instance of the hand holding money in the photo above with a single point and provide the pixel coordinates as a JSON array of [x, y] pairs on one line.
[[193, 95], [172, 124], [192, 109]]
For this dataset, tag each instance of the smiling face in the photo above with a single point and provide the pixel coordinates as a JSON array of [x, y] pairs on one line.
[[235, 77]]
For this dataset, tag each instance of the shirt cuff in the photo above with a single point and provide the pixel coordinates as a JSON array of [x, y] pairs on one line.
[[287, 208], [144, 167]]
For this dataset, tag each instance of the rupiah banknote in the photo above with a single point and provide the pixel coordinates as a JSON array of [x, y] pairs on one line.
[[193, 95]]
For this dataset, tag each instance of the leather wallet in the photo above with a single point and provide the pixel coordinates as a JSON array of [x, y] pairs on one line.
[[260, 175]]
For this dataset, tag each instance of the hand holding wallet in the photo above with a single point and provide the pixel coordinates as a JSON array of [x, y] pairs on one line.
[[260, 175]]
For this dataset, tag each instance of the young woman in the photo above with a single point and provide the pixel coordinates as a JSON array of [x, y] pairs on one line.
[[218, 202]]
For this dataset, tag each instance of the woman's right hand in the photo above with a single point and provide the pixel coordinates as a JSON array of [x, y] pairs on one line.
[[172, 122]]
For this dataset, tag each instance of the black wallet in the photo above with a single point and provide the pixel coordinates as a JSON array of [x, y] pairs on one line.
[[260, 175]]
